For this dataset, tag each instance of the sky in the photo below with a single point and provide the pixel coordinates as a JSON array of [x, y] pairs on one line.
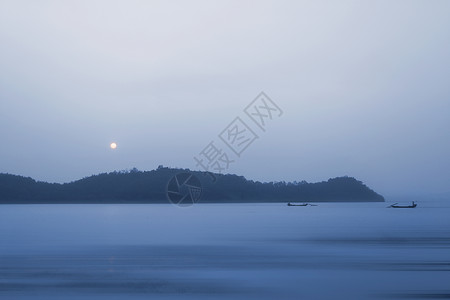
[[363, 87]]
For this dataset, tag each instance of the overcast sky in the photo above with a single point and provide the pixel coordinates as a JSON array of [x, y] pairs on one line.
[[364, 87]]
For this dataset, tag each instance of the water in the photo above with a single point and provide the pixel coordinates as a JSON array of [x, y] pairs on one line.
[[223, 251]]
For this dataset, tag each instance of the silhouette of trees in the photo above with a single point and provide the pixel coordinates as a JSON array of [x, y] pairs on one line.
[[134, 186]]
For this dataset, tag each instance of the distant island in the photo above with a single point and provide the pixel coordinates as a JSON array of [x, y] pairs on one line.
[[136, 186]]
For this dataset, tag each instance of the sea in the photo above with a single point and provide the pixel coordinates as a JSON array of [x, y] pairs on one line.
[[225, 251]]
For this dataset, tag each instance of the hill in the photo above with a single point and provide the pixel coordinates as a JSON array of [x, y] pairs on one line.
[[151, 187]]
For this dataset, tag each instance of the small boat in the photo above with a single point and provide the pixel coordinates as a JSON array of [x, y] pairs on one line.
[[403, 206], [303, 204]]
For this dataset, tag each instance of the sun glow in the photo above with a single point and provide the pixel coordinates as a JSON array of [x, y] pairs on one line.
[[113, 145]]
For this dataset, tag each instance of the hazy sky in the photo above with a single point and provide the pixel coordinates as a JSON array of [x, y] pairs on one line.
[[364, 87]]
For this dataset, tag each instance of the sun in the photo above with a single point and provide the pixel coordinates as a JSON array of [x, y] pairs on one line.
[[113, 145]]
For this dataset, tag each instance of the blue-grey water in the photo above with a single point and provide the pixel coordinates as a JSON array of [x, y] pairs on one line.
[[225, 251]]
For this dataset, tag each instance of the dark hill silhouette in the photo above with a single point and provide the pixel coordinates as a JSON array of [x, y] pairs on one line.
[[150, 187]]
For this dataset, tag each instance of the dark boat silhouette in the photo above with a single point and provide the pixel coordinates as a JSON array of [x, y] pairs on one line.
[[303, 204], [403, 206]]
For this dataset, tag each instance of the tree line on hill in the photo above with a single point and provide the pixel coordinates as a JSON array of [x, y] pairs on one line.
[[151, 187]]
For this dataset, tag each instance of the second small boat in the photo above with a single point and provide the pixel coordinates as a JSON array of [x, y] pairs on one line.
[[300, 204], [413, 205]]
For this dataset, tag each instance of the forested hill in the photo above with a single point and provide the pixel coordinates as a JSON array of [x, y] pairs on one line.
[[151, 187]]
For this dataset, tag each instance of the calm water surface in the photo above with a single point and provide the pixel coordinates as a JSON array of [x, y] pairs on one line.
[[223, 251]]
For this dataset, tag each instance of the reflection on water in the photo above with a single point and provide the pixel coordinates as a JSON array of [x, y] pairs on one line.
[[239, 251]]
